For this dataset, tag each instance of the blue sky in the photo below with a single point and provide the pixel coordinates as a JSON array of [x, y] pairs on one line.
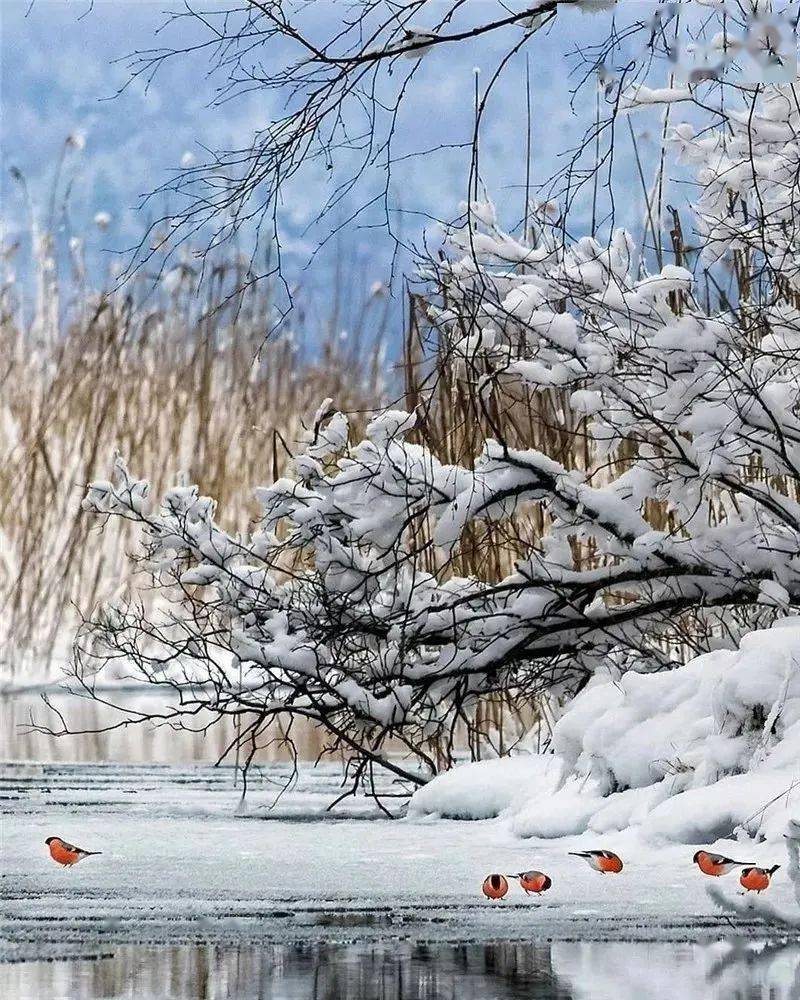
[[59, 77]]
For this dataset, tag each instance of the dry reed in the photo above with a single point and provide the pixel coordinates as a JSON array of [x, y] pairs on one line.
[[180, 378]]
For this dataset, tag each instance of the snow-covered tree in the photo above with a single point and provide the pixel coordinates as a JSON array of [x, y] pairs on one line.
[[678, 527]]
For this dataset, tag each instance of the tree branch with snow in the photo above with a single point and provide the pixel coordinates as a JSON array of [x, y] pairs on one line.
[[676, 527]]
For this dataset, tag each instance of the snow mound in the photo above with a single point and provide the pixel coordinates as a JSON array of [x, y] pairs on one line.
[[707, 750], [487, 788]]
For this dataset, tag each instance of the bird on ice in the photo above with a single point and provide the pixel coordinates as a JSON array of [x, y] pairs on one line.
[[67, 854], [605, 862], [716, 864], [495, 886], [757, 879], [534, 881]]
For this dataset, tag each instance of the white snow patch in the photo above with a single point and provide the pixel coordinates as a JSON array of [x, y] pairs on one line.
[[706, 751], [487, 788]]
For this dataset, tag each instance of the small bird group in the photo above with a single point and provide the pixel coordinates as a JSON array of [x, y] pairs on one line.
[[752, 878], [496, 886]]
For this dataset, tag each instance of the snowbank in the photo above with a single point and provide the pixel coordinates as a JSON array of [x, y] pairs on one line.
[[487, 788], [726, 712], [707, 751]]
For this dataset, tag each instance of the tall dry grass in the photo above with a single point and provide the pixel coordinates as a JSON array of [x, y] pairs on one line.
[[454, 421], [178, 377]]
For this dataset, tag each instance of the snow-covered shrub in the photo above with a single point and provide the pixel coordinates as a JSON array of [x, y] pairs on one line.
[[747, 172], [678, 530]]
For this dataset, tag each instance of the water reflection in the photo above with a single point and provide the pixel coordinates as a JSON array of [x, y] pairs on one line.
[[402, 970], [141, 744], [393, 971]]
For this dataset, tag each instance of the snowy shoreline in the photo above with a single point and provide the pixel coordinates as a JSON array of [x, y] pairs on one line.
[[186, 860], [179, 865]]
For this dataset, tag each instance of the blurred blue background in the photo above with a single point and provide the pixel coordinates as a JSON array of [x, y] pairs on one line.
[[63, 74]]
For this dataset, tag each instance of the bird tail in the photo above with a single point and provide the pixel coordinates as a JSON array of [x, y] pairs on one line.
[[578, 854], [774, 869], [87, 853]]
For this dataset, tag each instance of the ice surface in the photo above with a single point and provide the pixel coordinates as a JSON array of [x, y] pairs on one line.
[[179, 864]]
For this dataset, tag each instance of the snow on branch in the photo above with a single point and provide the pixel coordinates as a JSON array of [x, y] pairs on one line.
[[345, 606]]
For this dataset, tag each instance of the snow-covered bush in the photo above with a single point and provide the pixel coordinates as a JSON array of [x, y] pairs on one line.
[[726, 712], [676, 532]]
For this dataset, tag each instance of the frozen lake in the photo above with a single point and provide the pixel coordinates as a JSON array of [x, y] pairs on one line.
[[197, 895]]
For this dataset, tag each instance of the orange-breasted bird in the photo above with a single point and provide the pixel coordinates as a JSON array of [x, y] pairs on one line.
[[67, 854], [757, 879], [716, 864], [605, 862], [534, 881], [495, 886]]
